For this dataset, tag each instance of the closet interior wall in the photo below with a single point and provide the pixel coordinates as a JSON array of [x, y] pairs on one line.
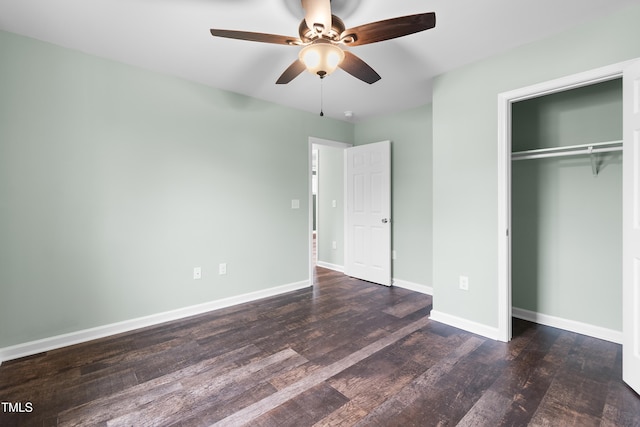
[[567, 222]]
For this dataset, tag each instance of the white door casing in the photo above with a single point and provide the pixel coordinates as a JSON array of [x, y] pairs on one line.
[[368, 212], [505, 100], [631, 227]]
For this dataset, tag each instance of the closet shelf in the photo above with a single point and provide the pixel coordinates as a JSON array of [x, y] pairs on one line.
[[571, 150]]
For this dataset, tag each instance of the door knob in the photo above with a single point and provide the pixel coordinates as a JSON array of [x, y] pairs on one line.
[[385, 220]]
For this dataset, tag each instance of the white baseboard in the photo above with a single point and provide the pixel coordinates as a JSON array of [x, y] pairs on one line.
[[59, 341], [569, 325], [465, 324], [416, 287], [334, 267]]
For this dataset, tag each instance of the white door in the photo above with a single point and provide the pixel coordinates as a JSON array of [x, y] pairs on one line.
[[368, 212], [631, 228]]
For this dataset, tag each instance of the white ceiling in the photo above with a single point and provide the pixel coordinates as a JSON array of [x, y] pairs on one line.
[[172, 36]]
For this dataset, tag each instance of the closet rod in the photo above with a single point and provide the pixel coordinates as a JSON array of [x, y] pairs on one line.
[[572, 150]]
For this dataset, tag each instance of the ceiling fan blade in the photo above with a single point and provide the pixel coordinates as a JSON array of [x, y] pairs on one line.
[[317, 13], [291, 72], [358, 68], [257, 37], [388, 29]]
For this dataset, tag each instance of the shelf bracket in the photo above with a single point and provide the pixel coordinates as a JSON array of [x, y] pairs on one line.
[[594, 161]]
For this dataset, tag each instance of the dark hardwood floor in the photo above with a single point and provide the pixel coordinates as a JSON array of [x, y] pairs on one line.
[[345, 352]]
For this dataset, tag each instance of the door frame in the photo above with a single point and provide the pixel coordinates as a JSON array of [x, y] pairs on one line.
[[330, 143], [505, 101]]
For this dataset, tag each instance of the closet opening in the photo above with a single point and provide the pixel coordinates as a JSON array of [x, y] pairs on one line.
[[566, 209]]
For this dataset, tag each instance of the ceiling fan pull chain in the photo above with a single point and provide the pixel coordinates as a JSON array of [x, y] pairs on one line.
[[321, 96]]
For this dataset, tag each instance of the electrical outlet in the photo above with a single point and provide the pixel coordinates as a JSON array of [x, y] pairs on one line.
[[464, 283], [334, 244], [222, 269], [394, 255], [197, 273]]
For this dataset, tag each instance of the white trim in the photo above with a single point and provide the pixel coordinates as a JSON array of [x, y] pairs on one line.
[[573, 81], [569, 325], [416, 287], [59, 341], [467, 325], [505, 100], [328, 142], [334, 267], [504, 218]]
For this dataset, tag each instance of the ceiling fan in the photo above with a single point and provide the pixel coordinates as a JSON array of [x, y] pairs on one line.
[[322, 37]]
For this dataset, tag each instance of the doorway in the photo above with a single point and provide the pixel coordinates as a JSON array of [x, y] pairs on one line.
[[505, 103], [566, 210], [326, 211]]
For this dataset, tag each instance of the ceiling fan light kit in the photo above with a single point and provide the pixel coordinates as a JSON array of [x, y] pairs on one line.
[[321, 57]]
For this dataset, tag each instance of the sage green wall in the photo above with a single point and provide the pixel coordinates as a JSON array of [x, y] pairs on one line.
[[330, 219], [411, 175], [566, 222], [115, 182], [465, 186]]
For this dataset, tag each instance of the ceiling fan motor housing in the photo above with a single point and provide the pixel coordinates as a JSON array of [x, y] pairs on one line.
[[308, 35]]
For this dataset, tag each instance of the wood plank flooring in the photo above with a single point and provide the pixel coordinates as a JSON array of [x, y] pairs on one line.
[[343, 353]]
